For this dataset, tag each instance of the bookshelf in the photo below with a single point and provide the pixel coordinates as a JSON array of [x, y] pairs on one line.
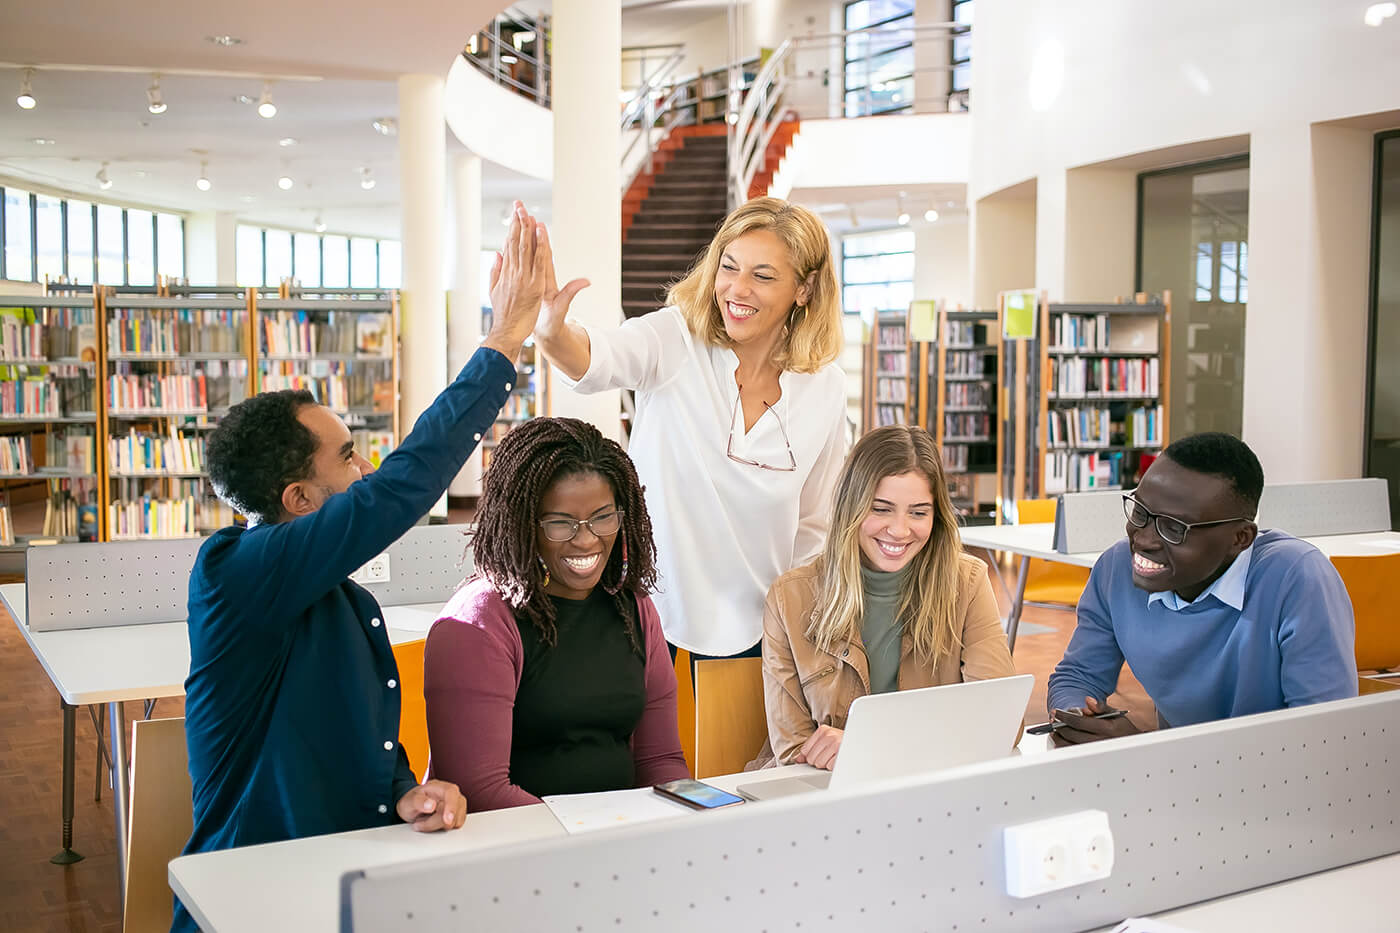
[[1091, 396], [963, 366], [887, 371]]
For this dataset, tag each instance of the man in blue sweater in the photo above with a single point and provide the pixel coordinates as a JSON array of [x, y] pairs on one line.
[[292, 701], [1215, 617]]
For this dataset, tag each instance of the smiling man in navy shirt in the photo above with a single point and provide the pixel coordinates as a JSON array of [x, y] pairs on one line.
[[292, 701], [1215, 617]]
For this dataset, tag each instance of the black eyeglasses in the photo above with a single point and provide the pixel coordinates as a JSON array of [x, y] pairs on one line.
[[729, 451], [565, 529], [1170, 530]]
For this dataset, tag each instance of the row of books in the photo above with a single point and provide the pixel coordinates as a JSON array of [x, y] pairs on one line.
[[893, 390], [1076, 472], [31, 397], [964, 334], [151, 517], [1079, 332], [70, 510], [48, 333], [1085, 377], [968, 395], [73, 450], [1079, 427], [955, 458], [16, 457], [893, 363], [889, 414], [374, 446], [518, 407], [340, 385], [149, 392], [7, 527], [168, 332], [891, 336], [964, 426], [964, 363], [302, 333], [140, 452]]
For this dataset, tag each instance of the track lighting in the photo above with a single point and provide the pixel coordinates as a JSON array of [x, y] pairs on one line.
[[26, 97], [285, 182], [319, 224], [903, 218], [930, 215], [386, 126], [202, 182], [153, 99], [103, 181], [366, 178], [266, 108]]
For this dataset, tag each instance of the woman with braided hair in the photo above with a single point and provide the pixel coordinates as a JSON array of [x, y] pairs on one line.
[[548, 673]]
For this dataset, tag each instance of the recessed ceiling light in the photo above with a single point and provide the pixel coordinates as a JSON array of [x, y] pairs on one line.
[[386, 126], [285, 182], [366, 178], [226, 41], [103, 180], [286, 141], [244, 99], [40, 141], [319, 224], [1378, 13]]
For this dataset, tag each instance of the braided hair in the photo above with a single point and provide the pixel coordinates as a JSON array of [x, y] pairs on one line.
[[527, 462]]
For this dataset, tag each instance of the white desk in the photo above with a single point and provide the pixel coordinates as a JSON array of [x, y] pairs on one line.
[[1038, 540], [109, 665], [298, 882]]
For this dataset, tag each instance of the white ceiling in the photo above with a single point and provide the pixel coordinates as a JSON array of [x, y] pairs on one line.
[[875, 207]]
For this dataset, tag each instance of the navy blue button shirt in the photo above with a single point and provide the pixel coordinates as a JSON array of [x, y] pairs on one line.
[[290, 717]]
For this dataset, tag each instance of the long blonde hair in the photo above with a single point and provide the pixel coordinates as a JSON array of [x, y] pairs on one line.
[[814, 335], [928, 597]]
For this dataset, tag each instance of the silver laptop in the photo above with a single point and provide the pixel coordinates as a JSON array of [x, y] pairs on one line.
[[911, 732]]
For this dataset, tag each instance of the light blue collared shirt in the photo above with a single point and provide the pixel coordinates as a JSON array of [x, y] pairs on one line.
[[1228, 587]]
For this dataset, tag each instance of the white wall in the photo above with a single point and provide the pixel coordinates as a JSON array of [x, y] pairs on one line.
[[498, 124], [918, 149], [1123, 87], [941, 261]]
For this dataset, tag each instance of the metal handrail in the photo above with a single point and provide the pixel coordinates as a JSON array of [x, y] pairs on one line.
[[751, 131]]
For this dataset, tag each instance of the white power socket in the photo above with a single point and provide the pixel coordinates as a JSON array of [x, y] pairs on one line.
[[1060, 852], [376, 571]]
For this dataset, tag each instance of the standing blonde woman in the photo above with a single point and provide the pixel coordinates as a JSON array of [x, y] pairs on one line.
[[740, 427], [893, 603]]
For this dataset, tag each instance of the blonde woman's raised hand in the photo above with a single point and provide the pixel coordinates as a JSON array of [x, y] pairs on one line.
[[518, 279], [553, 318]]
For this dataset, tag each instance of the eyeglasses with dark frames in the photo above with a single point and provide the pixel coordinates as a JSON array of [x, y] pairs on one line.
[[729, 451], [566, 529], [1169, 529]]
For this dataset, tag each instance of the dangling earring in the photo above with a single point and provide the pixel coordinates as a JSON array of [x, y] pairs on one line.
[[545, 568], [621, 577]]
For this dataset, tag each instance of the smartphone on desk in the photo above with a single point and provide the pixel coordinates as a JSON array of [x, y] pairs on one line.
[[697, 795]]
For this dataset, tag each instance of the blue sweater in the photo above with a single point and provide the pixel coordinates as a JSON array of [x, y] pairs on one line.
[[1291, 645], [292, 701]]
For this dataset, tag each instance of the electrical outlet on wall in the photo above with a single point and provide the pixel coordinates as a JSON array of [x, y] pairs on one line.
[[376, 571], [1060, 852]]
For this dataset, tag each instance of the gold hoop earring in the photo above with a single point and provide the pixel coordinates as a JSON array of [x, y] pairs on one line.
[[545, 568]]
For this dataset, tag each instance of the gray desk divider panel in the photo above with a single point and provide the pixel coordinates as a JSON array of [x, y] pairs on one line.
[[72, 586], [426, 565], [1089, 521], [1338, 507], [1196, 813]]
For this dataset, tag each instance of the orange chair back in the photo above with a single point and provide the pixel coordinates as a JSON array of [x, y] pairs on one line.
[[1049, 581], [1035, 511], [1371, 584], [685, 707], [413, 710]]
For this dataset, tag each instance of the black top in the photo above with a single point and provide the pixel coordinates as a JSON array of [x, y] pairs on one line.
[[579, 702]]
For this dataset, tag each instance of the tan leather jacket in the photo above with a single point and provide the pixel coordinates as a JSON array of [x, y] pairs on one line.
[[804, 687]]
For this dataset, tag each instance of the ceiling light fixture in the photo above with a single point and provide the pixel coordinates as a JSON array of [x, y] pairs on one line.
[[26, 98], [266, 108], [386, 126], [202, 182], [903, 218], [472, 44], [103, 181], [154, 103], [227, 42], [286, 141], [1378, 13], [366, 178], [285, 182], [855, 221], [509, 59], [522, 38], [931, 215], [319, 224], [41, 141]]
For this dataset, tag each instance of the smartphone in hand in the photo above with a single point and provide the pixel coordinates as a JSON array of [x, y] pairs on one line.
[[697, 795]]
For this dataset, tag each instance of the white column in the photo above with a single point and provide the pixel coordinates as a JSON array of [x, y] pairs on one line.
[[422, 184], [1050, 193], [209, 248], [586, 227], [464, 298], [933, 54], [1305, 328]]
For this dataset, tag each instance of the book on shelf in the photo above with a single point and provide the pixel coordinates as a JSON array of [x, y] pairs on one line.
[[21, 335], [171, 332], [150, 517], [1079, 377], [127, 391], [890, 414], [16, 456], [374, 446], [964, 426], [1084, 471], [372, 335], [74, 450], [31, 397], [142, 452], [7, 527]]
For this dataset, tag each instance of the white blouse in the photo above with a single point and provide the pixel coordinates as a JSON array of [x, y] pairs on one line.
[[724, 530]]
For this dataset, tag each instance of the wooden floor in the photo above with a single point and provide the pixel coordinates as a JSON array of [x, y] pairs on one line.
[[36, 895]]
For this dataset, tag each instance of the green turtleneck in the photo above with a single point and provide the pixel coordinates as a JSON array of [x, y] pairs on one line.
[[879, 631]]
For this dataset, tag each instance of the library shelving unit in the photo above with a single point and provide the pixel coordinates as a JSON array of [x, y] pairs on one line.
[[886, 397], [1090, 397], [48, 419], [172, 366], [343, 347], [963, 366]]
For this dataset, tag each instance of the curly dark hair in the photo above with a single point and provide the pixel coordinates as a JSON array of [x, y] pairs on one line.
[[1226, 456], [258, 449], [527, 462]]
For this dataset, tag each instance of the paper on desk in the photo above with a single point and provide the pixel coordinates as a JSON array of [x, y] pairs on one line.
[[1147, 925], [586, 813]]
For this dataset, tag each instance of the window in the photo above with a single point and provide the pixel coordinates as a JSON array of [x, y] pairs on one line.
[[80, 233], [390, 264], [265, 257], [306, 259], [1382, 452], [248, 256], [879, 62], [877, 271], [335, 262], [43, 237], [111, 246], [961, 55], [364, 263], [277, 253], [140, 248]]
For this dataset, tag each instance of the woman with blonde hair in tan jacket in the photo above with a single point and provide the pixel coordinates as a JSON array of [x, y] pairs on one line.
[[892, 602]]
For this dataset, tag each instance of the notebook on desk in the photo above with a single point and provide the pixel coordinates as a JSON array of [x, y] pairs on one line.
[[912, 732]]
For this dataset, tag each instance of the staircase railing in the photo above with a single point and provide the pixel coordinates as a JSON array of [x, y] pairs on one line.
[[653, 112], [751, 129]]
